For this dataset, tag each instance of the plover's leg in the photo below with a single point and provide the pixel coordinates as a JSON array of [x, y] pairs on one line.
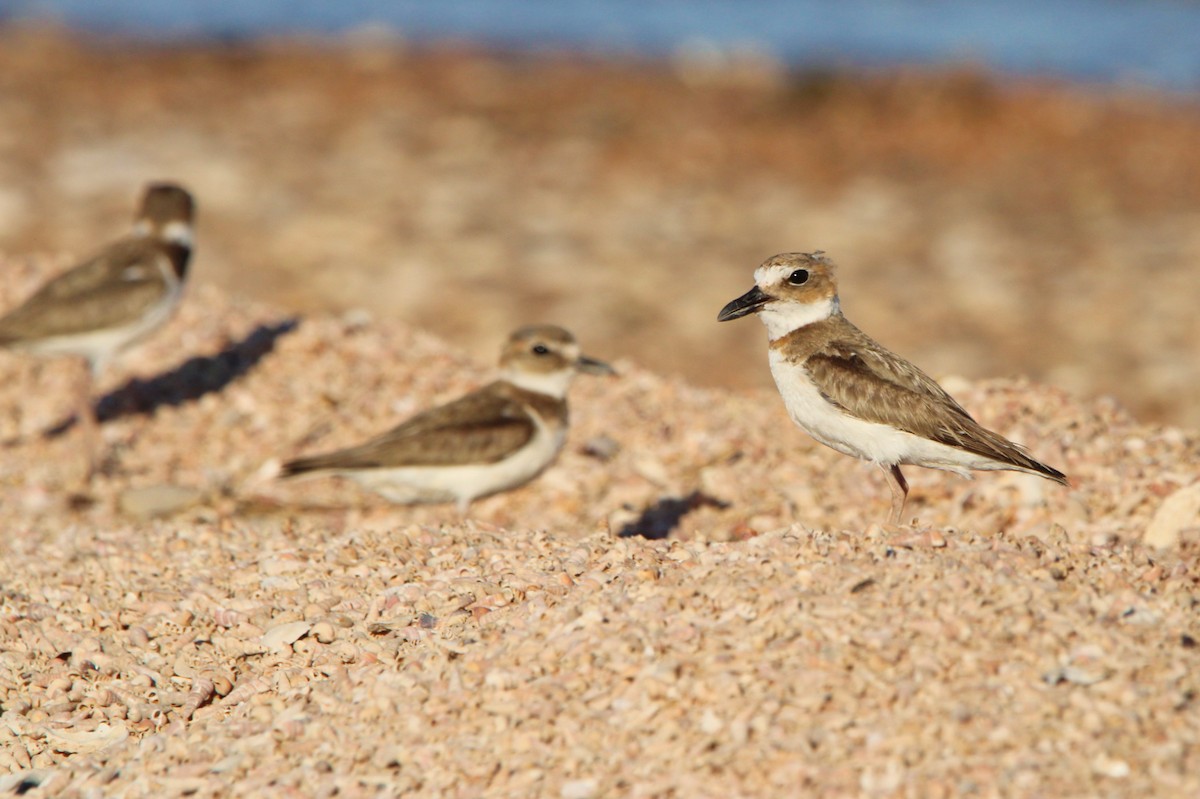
[[89, 426], [899, 488]]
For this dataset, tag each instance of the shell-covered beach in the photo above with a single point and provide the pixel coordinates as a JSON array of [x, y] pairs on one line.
[[696, 599]]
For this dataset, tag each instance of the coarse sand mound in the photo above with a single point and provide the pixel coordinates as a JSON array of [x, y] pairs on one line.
[[696, 600]]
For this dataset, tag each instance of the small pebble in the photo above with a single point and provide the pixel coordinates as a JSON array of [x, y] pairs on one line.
[[579, 789], [160, 500], [324, 632], [282, 636]]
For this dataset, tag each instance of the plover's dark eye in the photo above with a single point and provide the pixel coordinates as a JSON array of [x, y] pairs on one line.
[[541, 349], [799, 277]]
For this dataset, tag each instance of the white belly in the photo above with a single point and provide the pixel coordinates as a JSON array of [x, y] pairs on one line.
[[98, 346], [463, 484], [869, 441]]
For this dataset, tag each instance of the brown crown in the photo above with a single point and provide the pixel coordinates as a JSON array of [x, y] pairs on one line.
[[167, 202]]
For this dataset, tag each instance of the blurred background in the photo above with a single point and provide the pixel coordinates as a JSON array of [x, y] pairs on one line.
[[1010, 187]]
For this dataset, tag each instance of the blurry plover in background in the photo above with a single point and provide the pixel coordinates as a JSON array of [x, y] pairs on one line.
[[112, 300], [493, 439]]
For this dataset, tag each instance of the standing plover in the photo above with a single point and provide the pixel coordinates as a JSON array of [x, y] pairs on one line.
[[113, 299], [493, 439], [853, 395]]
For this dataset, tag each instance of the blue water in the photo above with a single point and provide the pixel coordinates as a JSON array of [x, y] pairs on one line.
[[1148, 42]]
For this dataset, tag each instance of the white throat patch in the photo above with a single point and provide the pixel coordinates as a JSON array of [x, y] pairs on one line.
[[176, 232], [551, 384], [782, 317]]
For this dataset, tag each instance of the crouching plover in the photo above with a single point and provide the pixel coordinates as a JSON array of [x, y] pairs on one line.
[[113, 299], [853, 395], [493, 439]]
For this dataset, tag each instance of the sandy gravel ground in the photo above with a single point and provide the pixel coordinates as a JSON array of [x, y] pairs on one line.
[[696, 601]]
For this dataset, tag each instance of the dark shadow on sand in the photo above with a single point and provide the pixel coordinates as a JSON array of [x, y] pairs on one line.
[[658, 520], [187, 382]]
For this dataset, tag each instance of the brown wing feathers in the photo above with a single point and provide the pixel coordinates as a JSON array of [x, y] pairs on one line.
[[110, 290], [893, 392], [483, 427]]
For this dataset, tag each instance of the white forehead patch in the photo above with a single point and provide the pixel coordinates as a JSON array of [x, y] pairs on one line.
[[568, 351], [778, 274], [773, 275]]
